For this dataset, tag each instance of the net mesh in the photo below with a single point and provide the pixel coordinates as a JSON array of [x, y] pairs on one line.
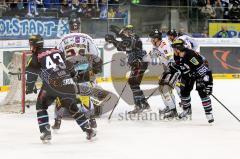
[[15, 99]]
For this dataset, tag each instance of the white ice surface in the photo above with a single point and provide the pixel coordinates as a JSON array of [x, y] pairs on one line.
[[126, 139]]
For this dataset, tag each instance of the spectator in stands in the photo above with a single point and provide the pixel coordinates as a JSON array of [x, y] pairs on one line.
[[51, 3], [223, 33], [103, 10], [76, 6], [234, 12], [208, 11], [111, 13], [32, 7], [121, 12], [219, 10], [225, 5], [64, 8]]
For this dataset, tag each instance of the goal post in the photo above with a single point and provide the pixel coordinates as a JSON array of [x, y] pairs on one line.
[[15, 99]]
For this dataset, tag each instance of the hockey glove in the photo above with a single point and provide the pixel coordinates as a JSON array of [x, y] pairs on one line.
[[205, 83], [29, 90], [208, 80], [109, 38], [136, 63], [169, 78], [208, 89], [97, 66]]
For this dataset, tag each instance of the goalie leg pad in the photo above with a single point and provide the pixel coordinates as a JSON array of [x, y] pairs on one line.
[[167, 96]]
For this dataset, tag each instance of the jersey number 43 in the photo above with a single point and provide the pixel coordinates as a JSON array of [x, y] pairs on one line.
[[50, 61]]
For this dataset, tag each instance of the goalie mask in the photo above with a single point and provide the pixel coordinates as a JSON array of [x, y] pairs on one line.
[[74, 25]]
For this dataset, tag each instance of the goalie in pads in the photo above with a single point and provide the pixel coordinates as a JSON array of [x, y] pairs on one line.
[[83, 54], [163, 53]]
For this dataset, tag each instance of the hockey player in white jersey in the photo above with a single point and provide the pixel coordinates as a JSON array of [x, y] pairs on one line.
[[81, 51], [163, 53], [189, 42]]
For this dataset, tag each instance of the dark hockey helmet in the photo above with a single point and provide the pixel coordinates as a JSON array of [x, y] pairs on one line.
[[172, 32], [74, 24], [178, 44], [129, 29], [156, 34], [36, 41]]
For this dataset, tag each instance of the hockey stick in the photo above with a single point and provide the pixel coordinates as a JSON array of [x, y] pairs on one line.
[[117, 101], [225, 108], [152, 93]]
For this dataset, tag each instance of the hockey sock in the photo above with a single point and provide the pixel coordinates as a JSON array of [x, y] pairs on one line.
[[81, 120], [137, 95], [186, 102], [207, 105], [43, 120]]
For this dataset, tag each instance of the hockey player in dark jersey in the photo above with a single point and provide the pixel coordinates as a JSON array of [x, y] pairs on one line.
[[57, 81], [193, 70], [132, 44]]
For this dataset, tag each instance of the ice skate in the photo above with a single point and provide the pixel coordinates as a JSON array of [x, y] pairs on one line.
[[210, 118], [57, 124], [186, 114], [170, 114], [145, 106], [136, 110], [46, 135], [90, 133]]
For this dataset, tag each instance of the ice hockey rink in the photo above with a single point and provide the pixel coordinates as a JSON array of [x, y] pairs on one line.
[[137, 138]]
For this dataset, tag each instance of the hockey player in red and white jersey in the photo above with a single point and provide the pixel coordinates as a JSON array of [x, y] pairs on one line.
[[163, 53], [189, 42], [80, 50], [161, 47]]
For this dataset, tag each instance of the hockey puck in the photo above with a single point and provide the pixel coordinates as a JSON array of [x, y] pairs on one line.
[[28, 106]]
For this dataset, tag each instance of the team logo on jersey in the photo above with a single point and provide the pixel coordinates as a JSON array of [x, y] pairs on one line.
[[194, 61]]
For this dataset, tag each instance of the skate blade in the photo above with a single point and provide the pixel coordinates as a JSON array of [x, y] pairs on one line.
[[137, 112], [185, 118], [146, 110], [211, 122], [46, 141]]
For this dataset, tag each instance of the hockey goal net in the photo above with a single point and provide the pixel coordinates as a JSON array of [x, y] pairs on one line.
[[15, 99]]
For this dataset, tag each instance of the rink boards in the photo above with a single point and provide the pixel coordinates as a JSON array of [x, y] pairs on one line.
[[223, 55]]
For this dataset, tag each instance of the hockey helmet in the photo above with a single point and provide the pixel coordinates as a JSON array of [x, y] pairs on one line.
[[172, 32], [178, 44], [129, 29], [74, 24], [156, 34], [36, 41]]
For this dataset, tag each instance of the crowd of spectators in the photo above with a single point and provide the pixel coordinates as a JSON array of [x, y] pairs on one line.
[[62, 8], [219, 9]]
